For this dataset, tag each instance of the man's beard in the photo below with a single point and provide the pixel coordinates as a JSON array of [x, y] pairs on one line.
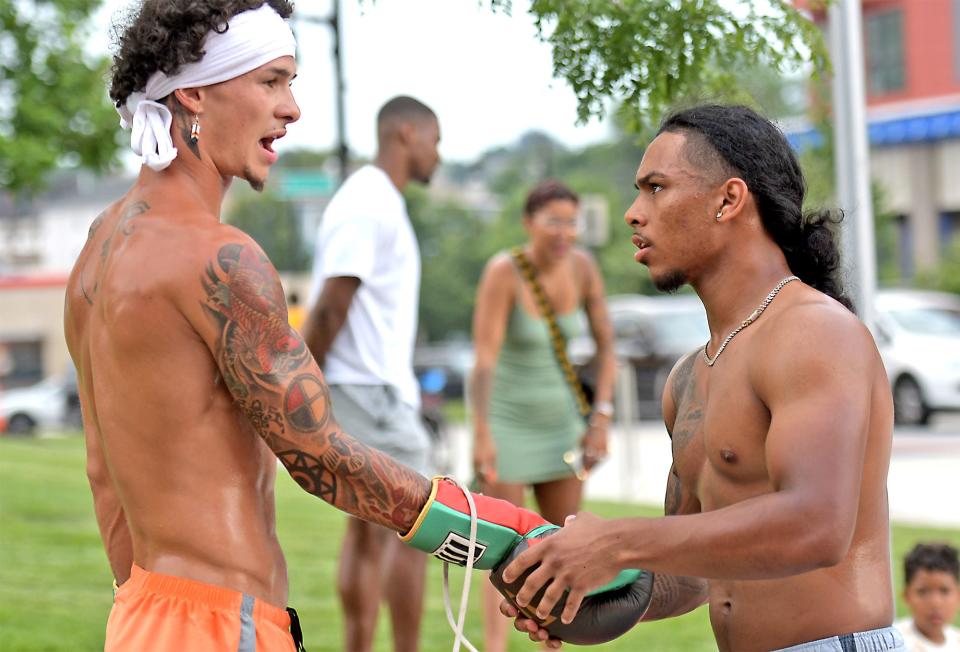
[[423, 178], [669, 282], [418, 174], [255, 183]]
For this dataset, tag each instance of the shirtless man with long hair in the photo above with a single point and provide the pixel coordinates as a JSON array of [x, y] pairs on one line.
[[781, 424]]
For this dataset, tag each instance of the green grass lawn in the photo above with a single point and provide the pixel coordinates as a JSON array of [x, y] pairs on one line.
[[55, 583]]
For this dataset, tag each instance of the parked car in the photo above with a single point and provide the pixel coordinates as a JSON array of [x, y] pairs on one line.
[[651, 333], [51, 403], [451, 361], [918, 334]]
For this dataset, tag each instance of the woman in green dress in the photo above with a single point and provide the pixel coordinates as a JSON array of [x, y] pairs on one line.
[[528, 431]]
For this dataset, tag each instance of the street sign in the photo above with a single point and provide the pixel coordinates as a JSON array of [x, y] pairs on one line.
[[304, 184]]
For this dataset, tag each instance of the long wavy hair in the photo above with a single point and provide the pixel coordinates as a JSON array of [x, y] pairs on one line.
[[166, 34], [747, 145]]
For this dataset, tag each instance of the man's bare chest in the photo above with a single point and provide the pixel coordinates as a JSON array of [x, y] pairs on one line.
[[718, 435]]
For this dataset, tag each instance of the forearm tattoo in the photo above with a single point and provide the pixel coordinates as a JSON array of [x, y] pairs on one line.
[[274, 381], [675, 595], [673, 498]]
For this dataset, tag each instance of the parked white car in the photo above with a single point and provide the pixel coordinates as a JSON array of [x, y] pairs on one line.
[[51, 403], [918, 334]]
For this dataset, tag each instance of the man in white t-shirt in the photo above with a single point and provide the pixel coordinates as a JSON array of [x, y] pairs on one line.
[[361, 329], [932, 592]]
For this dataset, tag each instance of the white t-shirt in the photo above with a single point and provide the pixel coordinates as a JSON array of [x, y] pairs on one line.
[[366, 233], [917, 642]]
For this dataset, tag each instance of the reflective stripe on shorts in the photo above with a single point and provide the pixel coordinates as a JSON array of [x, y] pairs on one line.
[[248, 629]]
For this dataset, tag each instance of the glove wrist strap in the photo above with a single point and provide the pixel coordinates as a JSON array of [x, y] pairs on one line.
[[443, 530]]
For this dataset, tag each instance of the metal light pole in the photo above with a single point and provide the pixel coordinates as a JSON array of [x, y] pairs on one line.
[[852, 154], [343, 154], [333, 22]]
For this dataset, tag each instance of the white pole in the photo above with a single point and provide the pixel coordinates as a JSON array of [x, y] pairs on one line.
[[628, 419], [852, 154], [852, 160]]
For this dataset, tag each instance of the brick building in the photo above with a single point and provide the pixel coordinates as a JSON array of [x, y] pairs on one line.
[[912, 81]]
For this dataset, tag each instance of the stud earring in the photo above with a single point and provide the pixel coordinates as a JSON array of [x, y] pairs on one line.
[[195, 130]]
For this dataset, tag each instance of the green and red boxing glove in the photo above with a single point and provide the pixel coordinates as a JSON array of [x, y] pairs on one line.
[[443, 527], [503, 531]]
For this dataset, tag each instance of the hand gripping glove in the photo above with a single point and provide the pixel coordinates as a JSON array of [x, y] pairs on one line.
[[503, 532], [443, 526], [604, 613]]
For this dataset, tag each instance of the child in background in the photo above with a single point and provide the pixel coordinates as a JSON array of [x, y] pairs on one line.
[[932, 592]]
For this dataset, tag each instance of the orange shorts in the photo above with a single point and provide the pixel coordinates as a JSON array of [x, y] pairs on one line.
[[163, 613]]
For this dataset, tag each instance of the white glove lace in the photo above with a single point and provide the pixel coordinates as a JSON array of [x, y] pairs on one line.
[[457, 625]]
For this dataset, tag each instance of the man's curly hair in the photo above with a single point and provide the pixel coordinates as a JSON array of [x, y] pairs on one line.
[[167, 34]]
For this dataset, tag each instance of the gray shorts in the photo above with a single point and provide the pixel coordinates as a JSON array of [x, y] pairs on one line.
[[375, 415], [876, 640]]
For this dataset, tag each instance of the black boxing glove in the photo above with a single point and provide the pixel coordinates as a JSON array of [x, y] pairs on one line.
[[604, 614]]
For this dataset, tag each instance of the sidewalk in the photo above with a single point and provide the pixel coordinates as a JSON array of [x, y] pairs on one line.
[[923, 483]]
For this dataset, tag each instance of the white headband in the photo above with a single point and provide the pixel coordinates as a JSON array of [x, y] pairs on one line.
[[253, 38]]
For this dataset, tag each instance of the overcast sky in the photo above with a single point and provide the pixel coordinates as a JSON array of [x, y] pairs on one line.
[[485, 74]]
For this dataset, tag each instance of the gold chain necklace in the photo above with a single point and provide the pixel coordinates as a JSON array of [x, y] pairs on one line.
[[749, 320]]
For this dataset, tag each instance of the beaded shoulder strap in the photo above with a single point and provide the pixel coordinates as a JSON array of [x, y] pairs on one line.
[[557, 339]]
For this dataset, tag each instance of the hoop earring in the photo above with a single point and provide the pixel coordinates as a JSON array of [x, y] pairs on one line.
[[195, 129]]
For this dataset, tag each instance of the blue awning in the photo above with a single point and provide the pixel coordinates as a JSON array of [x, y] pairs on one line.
[[895, 130]]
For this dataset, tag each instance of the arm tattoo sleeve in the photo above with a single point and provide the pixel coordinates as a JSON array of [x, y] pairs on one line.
[[275, 382]]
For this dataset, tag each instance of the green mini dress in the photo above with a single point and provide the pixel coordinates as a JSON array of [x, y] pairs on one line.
[[533, 415]]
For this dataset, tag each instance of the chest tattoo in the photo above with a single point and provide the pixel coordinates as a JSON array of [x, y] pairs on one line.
[[688, 403]]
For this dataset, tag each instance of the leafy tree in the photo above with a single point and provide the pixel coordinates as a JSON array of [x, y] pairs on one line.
[[605, 169], [456, 242], [303, 158], [651, 53], [275, 225], [646, 53], [55, 109], [453, 251], [886, 237], [946, 275], [273, 221], [818, 169]]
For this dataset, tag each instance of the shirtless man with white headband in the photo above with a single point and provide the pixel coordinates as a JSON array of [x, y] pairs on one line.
[[191, 381], [183, 493]]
